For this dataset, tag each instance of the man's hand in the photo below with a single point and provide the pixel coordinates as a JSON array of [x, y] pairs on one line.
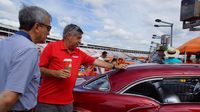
[[61, 73], [121, 66], [7, 100], [104, 64], [55, 73]]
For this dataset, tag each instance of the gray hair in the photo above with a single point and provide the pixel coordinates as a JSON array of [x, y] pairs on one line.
[[72, 28], [29, 15]]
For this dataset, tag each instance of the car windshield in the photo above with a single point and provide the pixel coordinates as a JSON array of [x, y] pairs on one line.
[[169, 90], [100, 84]]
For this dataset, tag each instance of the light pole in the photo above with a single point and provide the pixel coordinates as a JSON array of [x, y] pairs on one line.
[[152, 48], [156, 37], [164, 39], [168, 25], [152, 42], [157, 44]]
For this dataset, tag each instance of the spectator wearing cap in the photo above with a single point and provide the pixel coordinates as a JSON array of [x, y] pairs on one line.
[[158, 56], [171, 54]]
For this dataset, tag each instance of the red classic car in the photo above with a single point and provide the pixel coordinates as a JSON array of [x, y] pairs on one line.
[[142, 88]]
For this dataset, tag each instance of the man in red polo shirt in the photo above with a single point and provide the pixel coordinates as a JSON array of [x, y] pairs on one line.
[[55, 93]]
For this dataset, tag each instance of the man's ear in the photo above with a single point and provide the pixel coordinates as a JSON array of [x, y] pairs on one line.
[[36, 28]]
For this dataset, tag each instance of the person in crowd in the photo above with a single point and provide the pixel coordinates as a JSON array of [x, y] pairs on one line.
[[114, 60], [171, 54], [55, 94], [19, 57], [188, 58], [147, 60], [101, 70], [158, 56], [197, 57], [90, 71], [121, 61]]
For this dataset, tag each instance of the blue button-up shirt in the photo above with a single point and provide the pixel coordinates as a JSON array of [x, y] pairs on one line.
[[19, 70]]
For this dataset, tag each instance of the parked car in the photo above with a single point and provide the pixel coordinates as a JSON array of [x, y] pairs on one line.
[[142, 88]]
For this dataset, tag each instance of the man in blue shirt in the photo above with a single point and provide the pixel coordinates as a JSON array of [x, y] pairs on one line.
[[19, 59], [158, 56], [171, 54]]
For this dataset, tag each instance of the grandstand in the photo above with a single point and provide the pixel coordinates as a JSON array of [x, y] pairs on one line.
[[93, 50]]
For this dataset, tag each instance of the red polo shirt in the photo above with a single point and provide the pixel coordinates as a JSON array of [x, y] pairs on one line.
[[56, 90]]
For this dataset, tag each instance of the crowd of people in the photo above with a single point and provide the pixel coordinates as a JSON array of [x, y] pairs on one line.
[[161, 56], [171, 56], [21, 65], [20, 68], [168, 56], [99, 71]]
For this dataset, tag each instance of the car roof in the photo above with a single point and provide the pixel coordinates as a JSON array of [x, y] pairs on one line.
[[133, 73]]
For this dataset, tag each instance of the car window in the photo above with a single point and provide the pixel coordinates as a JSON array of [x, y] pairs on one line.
[[145, 89], [169, 90], [79, 81], [187, 89], [100, 84]]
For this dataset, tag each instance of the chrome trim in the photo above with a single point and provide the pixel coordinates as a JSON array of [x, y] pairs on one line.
[[184, 103], [109, 87], [155, 78], [138, 82]]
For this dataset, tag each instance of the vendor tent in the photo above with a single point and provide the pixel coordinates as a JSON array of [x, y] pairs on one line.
[[192, 46]]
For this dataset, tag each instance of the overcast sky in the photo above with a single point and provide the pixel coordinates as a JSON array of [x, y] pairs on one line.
[[124, 24]]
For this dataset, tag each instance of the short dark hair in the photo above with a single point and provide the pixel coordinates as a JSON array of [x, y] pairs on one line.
[[161, 48], [29, 15], [72, 28], [104, 53]]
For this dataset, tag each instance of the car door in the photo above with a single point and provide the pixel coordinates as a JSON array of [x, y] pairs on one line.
[[136, 103], [111, 102], [96, 97]]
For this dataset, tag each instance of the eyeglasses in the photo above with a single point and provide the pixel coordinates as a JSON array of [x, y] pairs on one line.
[[47, 26]]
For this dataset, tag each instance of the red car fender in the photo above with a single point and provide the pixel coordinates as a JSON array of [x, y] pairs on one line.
[[144, 109]]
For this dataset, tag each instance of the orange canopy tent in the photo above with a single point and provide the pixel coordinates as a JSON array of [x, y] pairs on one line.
[[192, 46]]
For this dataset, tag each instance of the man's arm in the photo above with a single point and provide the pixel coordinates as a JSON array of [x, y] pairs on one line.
[[7, 100], [104, 64], [18, 77], [54, 73], [99, 69]]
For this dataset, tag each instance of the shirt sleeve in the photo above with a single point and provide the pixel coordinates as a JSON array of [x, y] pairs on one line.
[[21, 70], [86, 59], [45, 56]]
